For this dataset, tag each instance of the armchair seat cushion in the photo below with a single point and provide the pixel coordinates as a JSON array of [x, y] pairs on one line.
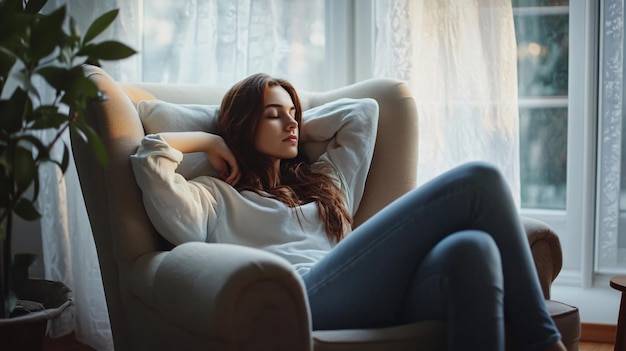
[[430, 335]]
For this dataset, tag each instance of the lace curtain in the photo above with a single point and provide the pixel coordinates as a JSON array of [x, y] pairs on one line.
[[610, 243], [458, 58]]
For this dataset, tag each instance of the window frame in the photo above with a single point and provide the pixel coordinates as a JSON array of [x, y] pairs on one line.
[[575, 224]]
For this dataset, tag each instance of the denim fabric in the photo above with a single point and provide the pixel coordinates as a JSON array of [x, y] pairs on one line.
[[454, 250]]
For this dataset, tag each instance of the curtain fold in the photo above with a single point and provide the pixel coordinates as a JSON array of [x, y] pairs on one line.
[[459, 59]]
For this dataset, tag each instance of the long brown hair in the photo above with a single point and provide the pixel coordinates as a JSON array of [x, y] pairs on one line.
[[238, 119]]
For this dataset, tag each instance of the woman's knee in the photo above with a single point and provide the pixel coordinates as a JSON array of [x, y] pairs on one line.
[[471, 253], [483, 173]]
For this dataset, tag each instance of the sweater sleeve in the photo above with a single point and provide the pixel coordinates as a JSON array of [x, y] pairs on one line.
[[349, 126], [181, 210]]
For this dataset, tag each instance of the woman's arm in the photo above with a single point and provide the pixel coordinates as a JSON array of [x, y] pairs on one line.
[[181, 210], [212, 145], [349, 126]]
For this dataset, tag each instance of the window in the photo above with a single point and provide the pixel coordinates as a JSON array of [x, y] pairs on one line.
[[572, 130], [558, 81]]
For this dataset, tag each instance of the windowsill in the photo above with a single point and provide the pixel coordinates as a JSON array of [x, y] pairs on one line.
[[598, 304]]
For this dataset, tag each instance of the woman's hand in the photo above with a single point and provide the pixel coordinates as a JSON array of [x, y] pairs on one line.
[[218, 153], [222, 159]]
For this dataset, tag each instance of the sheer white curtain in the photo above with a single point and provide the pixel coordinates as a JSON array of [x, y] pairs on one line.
[[459, 59], [222, 41], [457, 56]]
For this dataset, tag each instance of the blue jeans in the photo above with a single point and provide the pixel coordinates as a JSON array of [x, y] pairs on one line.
[[452, 250]]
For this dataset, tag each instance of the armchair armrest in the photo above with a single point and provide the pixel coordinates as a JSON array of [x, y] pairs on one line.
[[546, 249], [227, 292]]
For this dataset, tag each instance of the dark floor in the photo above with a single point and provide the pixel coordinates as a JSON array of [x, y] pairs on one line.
[[69, 343], [64, 343]]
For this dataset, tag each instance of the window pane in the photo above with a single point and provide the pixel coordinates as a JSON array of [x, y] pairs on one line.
[[543, 157], [542, 43], [541, 29], [533, 3]]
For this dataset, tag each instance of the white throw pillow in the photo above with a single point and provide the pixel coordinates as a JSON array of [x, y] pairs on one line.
[[161, 116]]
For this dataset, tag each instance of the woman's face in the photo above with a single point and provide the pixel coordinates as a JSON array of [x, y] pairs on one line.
[[277, 132]]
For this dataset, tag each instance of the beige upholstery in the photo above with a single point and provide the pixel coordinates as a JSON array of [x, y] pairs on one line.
[[201, 296]]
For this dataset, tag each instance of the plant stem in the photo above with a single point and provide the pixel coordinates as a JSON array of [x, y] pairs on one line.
[[57, 136], [5, 269]]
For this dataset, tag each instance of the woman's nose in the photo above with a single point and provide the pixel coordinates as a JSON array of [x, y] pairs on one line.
[[291, 123]]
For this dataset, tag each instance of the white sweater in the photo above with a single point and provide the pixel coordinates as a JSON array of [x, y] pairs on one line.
[[208, 209]]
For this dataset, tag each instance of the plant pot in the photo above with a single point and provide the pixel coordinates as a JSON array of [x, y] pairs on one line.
[[39, 301]]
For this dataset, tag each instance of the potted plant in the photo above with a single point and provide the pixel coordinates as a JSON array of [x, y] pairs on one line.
[[37, 52]]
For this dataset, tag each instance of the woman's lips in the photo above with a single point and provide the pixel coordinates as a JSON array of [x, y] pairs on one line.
[[291, 138]]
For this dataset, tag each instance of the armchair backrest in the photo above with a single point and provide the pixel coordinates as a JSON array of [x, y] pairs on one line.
[[121, 228]]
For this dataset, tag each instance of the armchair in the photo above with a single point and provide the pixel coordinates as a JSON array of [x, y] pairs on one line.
[[200, 296]]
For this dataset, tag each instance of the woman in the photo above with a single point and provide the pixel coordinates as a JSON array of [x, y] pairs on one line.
[[452, 250]]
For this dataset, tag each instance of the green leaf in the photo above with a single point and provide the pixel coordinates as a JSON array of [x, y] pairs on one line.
[[55, 76], [46, 34], [79, 89], [73, 83], [99, 25], [11, 6], [74, 31], [22, 104], [47, 119], [65, 161], [26, 210], [74, 37], [34, 6], [10, 121], [13, 28], [42, 150], [24, 168], [93, 139], [107, 50], [7, 61], [13, 110]]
